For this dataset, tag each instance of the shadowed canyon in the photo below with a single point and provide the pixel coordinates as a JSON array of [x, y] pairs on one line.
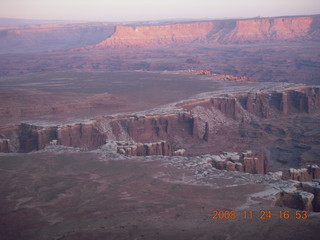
[[141, 130]]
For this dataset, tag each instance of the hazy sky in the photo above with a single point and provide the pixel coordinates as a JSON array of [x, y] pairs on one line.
[[124, 10]]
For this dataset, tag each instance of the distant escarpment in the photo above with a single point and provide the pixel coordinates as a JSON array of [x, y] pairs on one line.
[[34, 38], [224, 122], [210, 32], [269, 29], [157, 35]]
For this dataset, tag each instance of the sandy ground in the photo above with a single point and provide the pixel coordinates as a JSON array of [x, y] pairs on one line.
[[59, 96], [90, 196]]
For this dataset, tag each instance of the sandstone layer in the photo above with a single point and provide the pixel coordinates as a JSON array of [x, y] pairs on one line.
[[223, 32]]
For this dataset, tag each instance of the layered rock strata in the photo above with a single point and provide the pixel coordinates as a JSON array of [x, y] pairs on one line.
[[223, 32], [125, 36], [197, 121]]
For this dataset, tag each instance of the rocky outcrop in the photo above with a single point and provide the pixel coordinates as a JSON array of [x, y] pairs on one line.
[[313, 188], [303, 196], [222, 76], [144, 149], [223, 32], [247, 161], [297, 200], [179, 152], [306, 174]]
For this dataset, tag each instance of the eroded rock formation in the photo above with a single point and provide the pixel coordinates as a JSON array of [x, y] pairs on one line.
[[247, 161], [306, 174], [144, 149], [304, 196]]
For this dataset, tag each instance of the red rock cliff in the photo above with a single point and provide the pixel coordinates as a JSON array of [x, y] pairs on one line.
[[157, 35], [224, 31]]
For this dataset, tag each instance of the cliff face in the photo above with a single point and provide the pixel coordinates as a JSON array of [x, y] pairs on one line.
[[200, 121], [53, 37], [33, 138], [268, 29], [155, 128], [157, 35], [80, 135], [265, 105], [304, 174], [223, 32]]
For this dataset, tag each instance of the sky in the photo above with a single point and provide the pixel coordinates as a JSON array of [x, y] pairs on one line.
[[136, 10]]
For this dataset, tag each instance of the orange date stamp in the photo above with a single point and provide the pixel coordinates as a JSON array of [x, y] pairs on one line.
[[262, 214]]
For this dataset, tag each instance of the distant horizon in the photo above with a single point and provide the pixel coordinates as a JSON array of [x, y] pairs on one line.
[[150, 20], [144, 10]]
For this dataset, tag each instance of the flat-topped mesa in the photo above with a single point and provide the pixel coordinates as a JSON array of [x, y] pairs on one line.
[[269, 29], [211, 32], [141, 36]]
